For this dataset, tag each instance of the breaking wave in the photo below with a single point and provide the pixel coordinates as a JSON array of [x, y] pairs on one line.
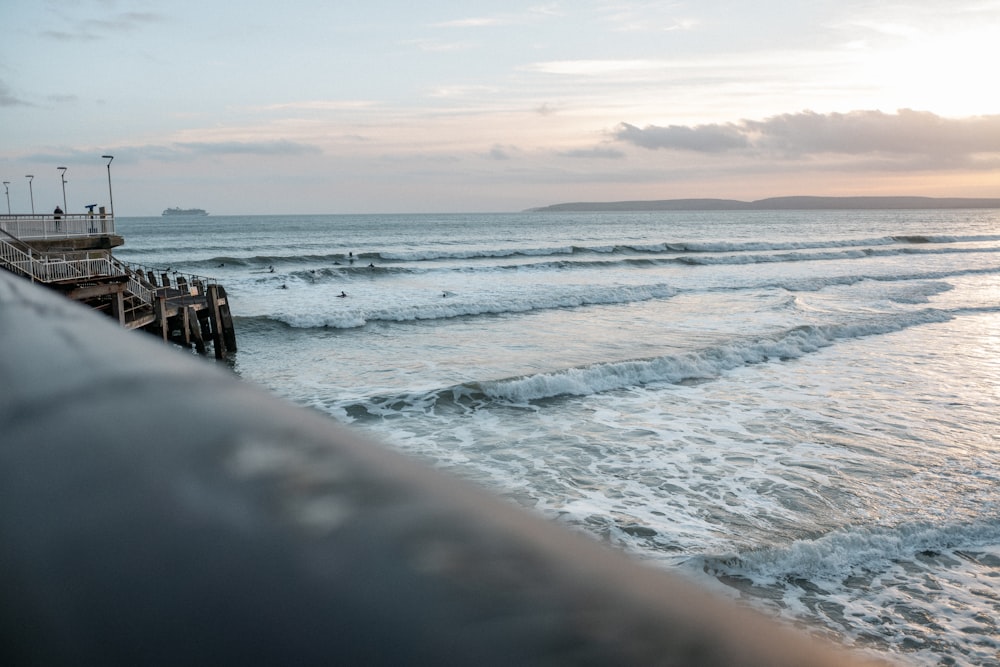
[[702, 365]]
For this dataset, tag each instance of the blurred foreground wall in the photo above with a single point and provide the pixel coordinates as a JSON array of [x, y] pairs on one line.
[[156, 510]]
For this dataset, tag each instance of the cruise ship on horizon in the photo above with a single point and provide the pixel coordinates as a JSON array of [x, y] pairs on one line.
[[185, 211]]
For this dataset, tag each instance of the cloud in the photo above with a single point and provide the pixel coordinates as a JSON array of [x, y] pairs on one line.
[[597, 152], [97, 29], [498, 152], [906, 133], [646, 17], [127, 21], [864, 132], [529, 15], [434, 46], [60, 99], [713, 138], [596, 68], [319, 105], [179, 151], [474, 22], [278, 147], [457, 91], [9, 99]]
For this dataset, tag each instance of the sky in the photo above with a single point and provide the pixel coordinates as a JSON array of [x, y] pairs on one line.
[[393, 106]]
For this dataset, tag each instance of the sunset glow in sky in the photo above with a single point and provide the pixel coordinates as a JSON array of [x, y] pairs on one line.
[[389, 106]]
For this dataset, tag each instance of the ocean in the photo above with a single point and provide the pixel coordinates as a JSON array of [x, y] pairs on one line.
[[798, 409]]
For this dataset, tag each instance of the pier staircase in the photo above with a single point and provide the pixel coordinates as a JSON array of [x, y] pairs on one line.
[[189, 310]]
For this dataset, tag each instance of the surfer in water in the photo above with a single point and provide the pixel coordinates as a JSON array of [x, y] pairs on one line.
[[342, 295]]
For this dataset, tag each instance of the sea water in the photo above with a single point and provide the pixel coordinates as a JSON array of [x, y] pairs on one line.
[[799, 409]]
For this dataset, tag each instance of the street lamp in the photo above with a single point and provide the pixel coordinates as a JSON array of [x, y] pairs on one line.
[[31, 191], [62, 174], [7, 189], [111, 198]]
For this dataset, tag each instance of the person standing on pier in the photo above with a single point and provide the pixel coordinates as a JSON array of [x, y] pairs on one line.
[[57, 214]]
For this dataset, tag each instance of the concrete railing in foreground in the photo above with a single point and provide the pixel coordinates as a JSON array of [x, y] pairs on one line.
[[155, 510]]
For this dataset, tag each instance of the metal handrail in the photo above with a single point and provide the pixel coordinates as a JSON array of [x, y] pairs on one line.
[[148, 292], [53, 268], [190, 278], [49, 226], [139, 286], [16, 260]]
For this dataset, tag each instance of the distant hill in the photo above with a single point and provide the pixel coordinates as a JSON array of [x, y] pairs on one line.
[[778, 204]]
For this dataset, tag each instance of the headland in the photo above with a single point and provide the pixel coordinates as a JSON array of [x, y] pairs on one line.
[[779, 204]]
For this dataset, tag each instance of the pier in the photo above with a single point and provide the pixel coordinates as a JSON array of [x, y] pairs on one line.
[[72, 254]]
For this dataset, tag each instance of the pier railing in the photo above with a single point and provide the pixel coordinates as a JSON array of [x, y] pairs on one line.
[[57, 267], [169, 283], [48, 226], [51, 268], [61, 269]]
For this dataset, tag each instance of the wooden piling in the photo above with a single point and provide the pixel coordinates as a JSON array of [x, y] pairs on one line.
[[185, 327], [161, 316], [204, 326], [218, 340], [118, 307], [226, 320], [194, 329]]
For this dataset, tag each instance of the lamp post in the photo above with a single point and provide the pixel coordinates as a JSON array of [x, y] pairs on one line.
[[111, 198], [31, 191], [62, 174], [7, 190]]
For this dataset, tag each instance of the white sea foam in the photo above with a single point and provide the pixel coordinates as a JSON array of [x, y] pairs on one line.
[[924, 590], [864, 550], [698, 365], [445, 306]]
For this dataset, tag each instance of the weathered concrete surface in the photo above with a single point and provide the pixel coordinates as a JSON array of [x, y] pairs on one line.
[[155, 510], [77, 243]]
